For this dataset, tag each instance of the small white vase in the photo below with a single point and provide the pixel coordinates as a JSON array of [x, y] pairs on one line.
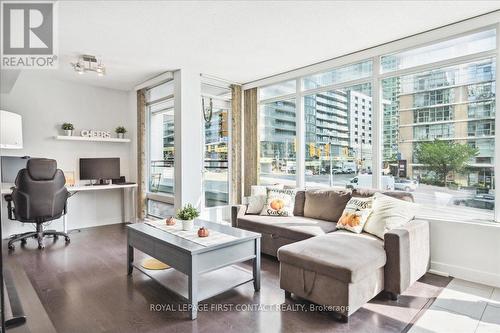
[[68, 132], [120, 135], [187, 225]]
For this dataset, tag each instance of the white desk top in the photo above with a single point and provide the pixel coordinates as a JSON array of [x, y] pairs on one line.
[[77, 188]]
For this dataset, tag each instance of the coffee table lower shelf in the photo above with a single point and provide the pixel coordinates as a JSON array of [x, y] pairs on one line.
[[209, 284]]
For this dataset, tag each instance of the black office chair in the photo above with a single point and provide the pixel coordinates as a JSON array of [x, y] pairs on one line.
[[39, 196]]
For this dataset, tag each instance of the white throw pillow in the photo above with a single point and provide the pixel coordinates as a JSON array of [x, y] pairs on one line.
[[279, 202], [255, 204], [388, 213], [355, 214], [262, 189]]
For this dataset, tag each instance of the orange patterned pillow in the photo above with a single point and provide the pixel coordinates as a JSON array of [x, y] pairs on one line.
[[355, 214], [279, 202]]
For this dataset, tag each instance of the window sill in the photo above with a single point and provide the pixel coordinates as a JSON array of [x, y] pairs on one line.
[[484, 223]]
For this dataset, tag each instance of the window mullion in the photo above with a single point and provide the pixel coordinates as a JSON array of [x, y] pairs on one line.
[[496, 168], [377, 128], [300, 137]]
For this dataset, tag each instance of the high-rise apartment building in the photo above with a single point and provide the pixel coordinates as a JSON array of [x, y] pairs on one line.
[[455, 103], [338, 127]]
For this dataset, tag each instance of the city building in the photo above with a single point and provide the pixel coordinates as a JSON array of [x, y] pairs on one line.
[[338, 127], [454, 103]]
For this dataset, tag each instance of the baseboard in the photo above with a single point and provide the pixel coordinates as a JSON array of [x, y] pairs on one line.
[[433, 271], [465, 273]]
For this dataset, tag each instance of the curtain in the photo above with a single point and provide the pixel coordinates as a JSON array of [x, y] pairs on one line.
[[236, 145], [251, 140], [141, 154]]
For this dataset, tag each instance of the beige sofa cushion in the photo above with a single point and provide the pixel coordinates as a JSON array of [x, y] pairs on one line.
[[342, 255], [325, 205], [295, 227], [368, 192], [300, 198]]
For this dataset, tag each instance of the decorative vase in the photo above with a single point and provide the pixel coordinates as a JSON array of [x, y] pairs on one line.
[[187, 225], [120, 135], [68, 132]]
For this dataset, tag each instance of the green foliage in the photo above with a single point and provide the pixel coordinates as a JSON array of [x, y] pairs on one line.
[[120, 129], [443, 157], [188, 212], [67, 126]]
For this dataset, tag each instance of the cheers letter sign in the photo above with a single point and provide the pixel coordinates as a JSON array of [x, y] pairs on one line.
[[95, 134]]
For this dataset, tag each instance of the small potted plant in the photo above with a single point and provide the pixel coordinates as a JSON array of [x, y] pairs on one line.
[[120, 131], [68, 128], [187, 214]]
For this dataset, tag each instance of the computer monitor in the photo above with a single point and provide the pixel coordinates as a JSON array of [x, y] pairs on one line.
[[11, 166], [99, 168]]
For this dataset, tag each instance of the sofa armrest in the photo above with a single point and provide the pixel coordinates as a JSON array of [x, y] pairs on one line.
[[237, 211], [408, 255]]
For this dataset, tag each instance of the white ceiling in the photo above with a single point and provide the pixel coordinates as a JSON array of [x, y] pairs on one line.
[[239, 41]]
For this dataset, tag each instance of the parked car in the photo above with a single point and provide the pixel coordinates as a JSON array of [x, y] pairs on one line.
[[483, 201], [337, 171], [405, 184], [365, 181], [349, 170]]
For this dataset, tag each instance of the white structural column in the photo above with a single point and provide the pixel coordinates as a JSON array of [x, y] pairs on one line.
[[378, 125], [300, 129], [497, 127], [188, 139]]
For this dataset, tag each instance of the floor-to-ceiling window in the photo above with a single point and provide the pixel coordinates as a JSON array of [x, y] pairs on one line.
[[278, 145], [338, 137], [441, 142], [216, 104], [423, 117], [160, 152]]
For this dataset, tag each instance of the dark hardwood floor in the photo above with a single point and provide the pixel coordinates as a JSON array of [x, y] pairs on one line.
[[84, 288]]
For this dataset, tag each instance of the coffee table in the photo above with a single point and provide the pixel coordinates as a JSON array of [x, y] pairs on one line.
[[199, 272]]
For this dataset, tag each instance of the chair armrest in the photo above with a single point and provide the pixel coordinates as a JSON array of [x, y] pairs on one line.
[[237, 211], [408, 255], [10, 211]]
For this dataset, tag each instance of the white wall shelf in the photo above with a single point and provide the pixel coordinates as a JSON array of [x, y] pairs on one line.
[[94, 139]]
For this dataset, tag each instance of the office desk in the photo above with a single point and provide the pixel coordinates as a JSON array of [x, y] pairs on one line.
[[6, 189]]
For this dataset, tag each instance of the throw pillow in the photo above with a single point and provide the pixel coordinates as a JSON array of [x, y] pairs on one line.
[[279, 203], [355, 214], [262, 189], [388, 213], [325, 205], [258, 196], [255, 204]]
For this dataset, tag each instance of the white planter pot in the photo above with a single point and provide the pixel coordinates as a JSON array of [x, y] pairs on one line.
[[68, 132], [187, 225], [120, 135]]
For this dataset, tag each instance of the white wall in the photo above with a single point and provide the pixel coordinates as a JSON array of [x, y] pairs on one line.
[[466, 250], [45, 103]]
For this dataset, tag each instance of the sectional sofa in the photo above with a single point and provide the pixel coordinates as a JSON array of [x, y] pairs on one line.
[[336, 268]]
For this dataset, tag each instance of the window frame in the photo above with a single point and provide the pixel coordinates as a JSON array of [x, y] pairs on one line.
[[222, 85], [375, 54], [167, 198]]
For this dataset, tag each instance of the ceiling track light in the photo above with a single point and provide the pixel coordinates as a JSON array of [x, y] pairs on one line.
[[89, 63]]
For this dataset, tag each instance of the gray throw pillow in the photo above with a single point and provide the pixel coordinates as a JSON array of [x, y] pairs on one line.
[[325, 205]]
